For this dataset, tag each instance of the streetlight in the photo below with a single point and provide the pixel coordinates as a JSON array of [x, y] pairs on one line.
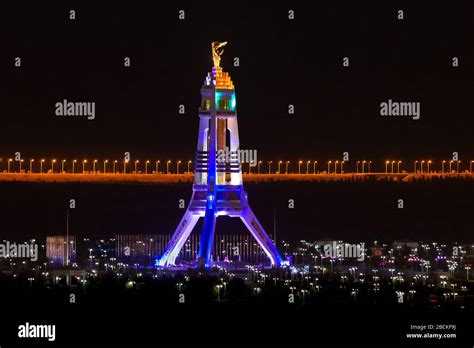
[[218, 292], [335, 167], [270, 167], [9, 162], [125, 161], [31, 165], [279, 166], [73, 165], [136, 163], [386, 166], [62, 165], [177, 167], [363, 166], [314, 166], [258, 167], [41, 165], [342, 167], [93, 166], [168, 166], [457, 164], [189, 164], [421, 166], [370, 162], [428, 166], [329, 167], [299, 166], [398, 166], [307, 167], [113, 166], [21, 161], [84, 166], [416, 162], [146, 166], [52, 165], [442, 166], [157, 163], [357, 167], [450, 166], [105, 166], [286, 169], [393, 162], [470, 167]]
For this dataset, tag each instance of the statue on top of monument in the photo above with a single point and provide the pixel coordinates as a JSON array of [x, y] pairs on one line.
[[217, 52]]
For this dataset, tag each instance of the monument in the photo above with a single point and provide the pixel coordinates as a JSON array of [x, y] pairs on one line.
[[218, 188]]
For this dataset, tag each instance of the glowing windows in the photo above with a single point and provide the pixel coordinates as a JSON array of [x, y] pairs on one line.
[[206, 104], [223, 105]]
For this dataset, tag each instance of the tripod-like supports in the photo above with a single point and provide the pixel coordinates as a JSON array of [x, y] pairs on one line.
[[190, 219], [178, 239]]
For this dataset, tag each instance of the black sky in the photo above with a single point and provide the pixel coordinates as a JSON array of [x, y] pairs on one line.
[[281, 62]]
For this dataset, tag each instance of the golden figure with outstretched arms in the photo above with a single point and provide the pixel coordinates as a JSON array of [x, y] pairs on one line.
[[217, 51]]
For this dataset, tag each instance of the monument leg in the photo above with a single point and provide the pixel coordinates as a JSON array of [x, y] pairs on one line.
[[257, 231], [178, 239]]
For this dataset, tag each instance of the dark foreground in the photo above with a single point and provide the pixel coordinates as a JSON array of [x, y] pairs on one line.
[[150, 312]]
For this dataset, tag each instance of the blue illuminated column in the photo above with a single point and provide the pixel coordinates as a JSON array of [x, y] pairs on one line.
[[209, 228]]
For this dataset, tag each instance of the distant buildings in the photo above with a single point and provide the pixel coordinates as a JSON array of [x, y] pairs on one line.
[[57, 251], [140, 248], [405, 243], [145, 249], [227, 247]]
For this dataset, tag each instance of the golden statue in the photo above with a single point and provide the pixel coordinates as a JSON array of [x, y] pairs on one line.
[[217, 51]]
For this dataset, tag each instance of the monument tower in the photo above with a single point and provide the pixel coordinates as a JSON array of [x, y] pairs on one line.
[[218, 189]]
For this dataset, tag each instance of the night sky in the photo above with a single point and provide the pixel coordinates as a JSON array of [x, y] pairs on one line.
[[282, 62]]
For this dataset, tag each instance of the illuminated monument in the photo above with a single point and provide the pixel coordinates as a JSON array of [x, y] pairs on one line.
[[217, 188]]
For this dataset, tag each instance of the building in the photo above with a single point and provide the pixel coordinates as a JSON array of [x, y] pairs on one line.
[[145, 249], [57, 251], [405, 243]]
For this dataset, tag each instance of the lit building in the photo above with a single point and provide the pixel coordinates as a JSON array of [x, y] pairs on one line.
[[140, 248], [146, 249], [56, 251]]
